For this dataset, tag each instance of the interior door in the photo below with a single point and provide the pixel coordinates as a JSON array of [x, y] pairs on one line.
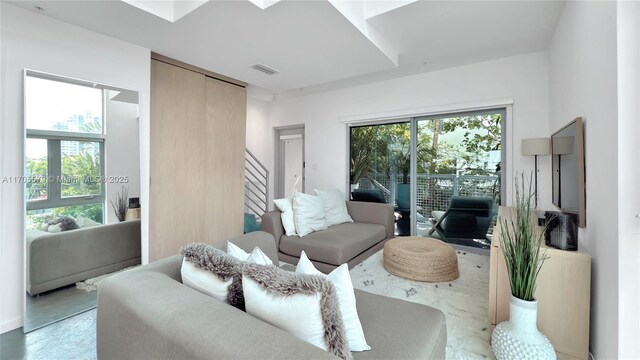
[[289, 161], [293, 164], [176, 201]]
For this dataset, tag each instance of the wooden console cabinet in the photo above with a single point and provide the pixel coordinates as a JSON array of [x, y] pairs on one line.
[[563, 293]]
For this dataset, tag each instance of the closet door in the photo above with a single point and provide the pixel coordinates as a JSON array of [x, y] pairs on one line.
[[177, 168], [225, 146]]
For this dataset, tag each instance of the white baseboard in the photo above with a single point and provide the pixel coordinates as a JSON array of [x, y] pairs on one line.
[[10, 325]]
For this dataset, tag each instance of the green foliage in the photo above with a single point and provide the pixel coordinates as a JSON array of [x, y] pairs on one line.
[[83, 173], [95, 126], [520, 243], [93, 211], [387, 148], [361, 152], [36, 172]]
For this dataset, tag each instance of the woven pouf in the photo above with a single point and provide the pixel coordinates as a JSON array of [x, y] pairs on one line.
[[421, 258]]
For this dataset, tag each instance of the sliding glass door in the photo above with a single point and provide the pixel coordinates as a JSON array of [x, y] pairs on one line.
[[381, 168], [424, 165]]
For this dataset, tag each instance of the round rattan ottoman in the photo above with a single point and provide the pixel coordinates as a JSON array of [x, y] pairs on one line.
[[421, 258]]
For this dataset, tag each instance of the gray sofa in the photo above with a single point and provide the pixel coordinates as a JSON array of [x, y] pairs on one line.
[[59, 259], [147, 313], [349, 243]]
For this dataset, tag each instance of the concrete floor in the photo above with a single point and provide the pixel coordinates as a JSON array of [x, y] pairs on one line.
[[72, 338], [56, 305]]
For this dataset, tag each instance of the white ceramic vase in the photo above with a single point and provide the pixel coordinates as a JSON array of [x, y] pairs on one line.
[[519, 337]]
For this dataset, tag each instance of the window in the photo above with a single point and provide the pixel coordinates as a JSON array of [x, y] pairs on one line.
[[59, 106], [64, 162]]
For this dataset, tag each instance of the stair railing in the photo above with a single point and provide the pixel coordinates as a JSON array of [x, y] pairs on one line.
[[256, 185]]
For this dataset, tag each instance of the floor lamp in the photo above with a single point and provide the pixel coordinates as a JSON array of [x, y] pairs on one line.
[[535, 147]]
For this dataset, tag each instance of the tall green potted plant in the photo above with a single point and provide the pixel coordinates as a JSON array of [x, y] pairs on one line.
[[519, 337]]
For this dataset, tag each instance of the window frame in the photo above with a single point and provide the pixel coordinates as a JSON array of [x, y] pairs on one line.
[[54, 158]]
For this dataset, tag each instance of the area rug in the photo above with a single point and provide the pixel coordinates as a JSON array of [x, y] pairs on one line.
[[464, 301], [92, 284]]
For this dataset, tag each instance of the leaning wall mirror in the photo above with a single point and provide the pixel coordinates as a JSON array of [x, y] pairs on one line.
[[82, 172]]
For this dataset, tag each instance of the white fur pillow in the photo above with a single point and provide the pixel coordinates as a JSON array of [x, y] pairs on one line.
[[303, 305], [286, 207], [335, 207], [346, 298], [213, 272], [308, 212]]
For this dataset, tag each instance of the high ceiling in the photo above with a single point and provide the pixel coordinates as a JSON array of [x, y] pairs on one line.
[[319, 44]]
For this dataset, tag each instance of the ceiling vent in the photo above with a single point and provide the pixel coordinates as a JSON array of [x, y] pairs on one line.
[[265, 69]]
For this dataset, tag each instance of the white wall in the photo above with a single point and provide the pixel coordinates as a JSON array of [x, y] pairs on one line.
[[582, 73], [122, 151], [523, 78], [628, 34], [33, 41], [258, 131]]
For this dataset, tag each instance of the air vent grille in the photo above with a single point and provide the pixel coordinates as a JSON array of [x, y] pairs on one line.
[[265, 69]]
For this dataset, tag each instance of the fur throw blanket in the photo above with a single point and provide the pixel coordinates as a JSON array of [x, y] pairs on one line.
[[66, 223]]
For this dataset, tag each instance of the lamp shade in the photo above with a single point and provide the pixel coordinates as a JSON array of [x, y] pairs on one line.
[[538, 146], [563, 145]]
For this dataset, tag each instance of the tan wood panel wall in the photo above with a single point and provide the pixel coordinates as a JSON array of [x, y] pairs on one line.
[[224, 184], [197, 159], [177, 167]]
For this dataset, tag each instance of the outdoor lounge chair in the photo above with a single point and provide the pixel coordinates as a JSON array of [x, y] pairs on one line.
[[466, 219], [368, 195]]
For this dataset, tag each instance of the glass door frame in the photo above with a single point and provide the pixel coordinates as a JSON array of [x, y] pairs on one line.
[[504, 110]]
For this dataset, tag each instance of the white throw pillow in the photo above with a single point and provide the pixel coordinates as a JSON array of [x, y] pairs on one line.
[[204, 281], [335, 207], [55, 228], [286, 207], [308, 212], [213, 272], [346, 298], [303, 305], [256, 256], [298, 314], [235, 251]]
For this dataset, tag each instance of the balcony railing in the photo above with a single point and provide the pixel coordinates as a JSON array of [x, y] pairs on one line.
[[434, 191]]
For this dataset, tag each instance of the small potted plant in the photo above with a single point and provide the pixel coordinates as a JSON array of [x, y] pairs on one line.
[[519, 337], [120, 206]]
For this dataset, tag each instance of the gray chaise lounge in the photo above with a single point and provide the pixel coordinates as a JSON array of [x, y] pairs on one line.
[[59, 259], [147, 313], [349, 243]]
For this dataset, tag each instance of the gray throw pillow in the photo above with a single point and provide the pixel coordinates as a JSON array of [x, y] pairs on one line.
[[209, 258]]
